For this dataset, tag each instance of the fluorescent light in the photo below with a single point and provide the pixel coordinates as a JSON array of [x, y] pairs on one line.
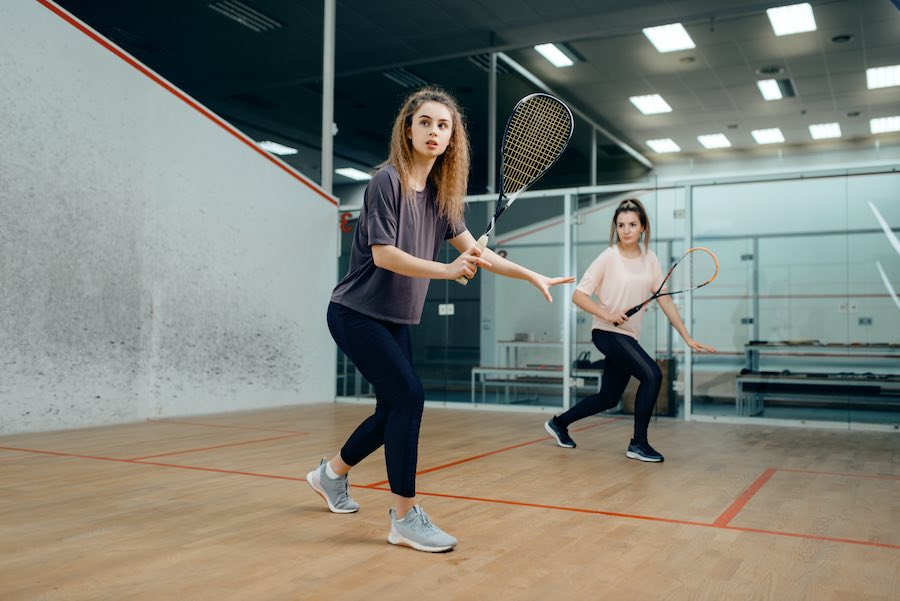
[[824, 131], [651, 104], [669, 38], [352, 173], [553, 54], [883, 125], [795, 18], [883, 77], [767, 136], [663, 145], [769, 89], [714, 141], [276, 148]]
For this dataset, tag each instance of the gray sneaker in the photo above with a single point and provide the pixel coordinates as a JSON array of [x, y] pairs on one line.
[[416, 530], [335, 492]]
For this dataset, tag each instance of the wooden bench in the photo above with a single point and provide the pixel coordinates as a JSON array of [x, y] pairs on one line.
[[535, 377], [753, 388]]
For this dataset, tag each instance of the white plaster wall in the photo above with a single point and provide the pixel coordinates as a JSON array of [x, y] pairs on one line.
[[152, 262]]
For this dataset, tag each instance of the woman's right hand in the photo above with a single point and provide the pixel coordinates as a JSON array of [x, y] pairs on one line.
[[466, 264], [614, 318]]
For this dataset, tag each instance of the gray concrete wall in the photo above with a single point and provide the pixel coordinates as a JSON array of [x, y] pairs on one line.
[[152, 262]]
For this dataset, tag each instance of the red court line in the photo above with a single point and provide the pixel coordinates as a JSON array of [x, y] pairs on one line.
[[68, 17], [221, 446], [632, 516], [476, 499], [489, 453], [845, 474], [742, 500], [203, 425], [832, 539]]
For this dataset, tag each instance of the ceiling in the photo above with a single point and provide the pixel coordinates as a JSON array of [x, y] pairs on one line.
[[268, 83]]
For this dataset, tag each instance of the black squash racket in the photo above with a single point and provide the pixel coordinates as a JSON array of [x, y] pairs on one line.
[[537, 132], [695, 269]]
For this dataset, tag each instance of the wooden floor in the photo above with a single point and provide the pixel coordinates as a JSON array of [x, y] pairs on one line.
[[218, 508]]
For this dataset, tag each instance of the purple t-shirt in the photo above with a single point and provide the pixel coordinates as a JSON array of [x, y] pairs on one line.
[[413, 225]]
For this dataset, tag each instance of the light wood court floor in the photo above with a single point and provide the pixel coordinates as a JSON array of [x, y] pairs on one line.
[[217, 507]]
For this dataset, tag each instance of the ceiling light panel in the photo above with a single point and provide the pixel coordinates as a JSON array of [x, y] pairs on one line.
[[768, 136], [276, 148], [883, 77], [714, 141], [769, 89], [663, 145], [669, 38], [825, 131], [354, 174], [794, 18], [883, 125], [651, 104], [555, 55]]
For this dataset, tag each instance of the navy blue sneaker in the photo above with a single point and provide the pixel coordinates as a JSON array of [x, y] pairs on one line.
[[560, 435], [643, 451]]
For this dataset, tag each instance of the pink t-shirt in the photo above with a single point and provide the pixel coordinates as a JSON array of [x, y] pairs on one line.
[[620, 283]]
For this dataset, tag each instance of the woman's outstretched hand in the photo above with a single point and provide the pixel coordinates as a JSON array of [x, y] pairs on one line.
[[543, 283], [699, 346]]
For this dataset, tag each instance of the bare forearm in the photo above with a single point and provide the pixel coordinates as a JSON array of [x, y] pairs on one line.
[[668, 306], [587, 304], [507, 268], [393, 259]]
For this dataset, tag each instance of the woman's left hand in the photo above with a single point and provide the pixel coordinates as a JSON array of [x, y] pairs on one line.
[[543, 283], [699, 346]]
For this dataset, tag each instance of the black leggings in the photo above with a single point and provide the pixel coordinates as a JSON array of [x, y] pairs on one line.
[[382, 352], [624, 358]]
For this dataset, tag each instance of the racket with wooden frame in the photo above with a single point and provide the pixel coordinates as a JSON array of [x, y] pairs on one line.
[[537, 131], [695, 269]]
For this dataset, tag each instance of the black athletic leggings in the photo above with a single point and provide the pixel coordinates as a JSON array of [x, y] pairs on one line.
[[382, 352], [624, 358]]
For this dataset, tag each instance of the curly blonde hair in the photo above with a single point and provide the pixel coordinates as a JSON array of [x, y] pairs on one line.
[[450, 173]]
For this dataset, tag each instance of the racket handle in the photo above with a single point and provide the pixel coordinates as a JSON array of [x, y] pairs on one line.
[[481, 243], [631, 312]]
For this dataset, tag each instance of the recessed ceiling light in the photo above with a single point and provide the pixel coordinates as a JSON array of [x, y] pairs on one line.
[[663, 145], [883, 77], [555, 55], [824, 131], [767, 136], [769, 89], [883, 125], [651, 104], [276, 148], [669, 38], [794, 18], [352, 173], [714, 141]]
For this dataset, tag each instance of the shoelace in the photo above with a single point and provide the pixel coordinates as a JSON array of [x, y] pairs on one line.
[[344, 490], [427, 524]]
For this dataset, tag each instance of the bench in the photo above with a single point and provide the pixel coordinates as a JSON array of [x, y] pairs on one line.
[[753, 388], [534, 377]]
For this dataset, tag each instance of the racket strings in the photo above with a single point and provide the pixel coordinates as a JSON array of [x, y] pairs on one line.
[[537, 134]]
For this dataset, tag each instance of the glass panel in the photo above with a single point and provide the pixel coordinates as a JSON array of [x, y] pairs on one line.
[[521, 360]]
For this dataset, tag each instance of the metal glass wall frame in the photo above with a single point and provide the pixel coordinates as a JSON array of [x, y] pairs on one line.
[[807, 332]]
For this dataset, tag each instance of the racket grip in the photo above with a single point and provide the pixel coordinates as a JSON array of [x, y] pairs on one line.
[[481, 243], [631, 312]]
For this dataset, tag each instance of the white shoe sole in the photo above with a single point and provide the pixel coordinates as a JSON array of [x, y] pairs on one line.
[[633, 455], [313, 480], [556, 438], [395, 538]]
